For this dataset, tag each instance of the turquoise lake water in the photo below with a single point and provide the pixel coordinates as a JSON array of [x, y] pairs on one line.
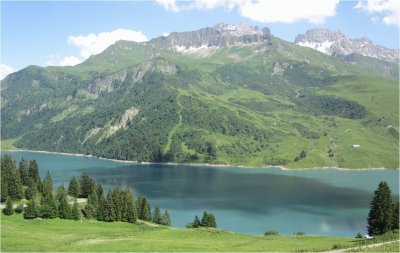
[[244, 200]]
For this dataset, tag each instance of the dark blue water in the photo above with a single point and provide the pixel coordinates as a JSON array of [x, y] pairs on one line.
[[250, 201]]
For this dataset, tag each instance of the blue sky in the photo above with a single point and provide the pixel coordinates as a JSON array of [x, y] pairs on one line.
[[57, 33]]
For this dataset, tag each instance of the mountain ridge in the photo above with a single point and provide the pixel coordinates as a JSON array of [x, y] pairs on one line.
[[252, 101], [336, 43]]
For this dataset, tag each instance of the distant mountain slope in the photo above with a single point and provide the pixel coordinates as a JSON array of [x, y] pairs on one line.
[[224, 94], [338, 44]]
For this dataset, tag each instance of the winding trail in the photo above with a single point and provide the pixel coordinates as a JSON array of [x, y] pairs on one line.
[[175, 128], [362, 247]]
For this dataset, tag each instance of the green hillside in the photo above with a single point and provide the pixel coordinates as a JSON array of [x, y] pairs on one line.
[[256, 104]]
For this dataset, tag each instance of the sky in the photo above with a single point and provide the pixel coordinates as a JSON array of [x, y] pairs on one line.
[[68, 32]]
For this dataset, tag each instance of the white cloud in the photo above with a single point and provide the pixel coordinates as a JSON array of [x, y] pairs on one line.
[[265, 11], [5, 70], [96, 43], [169, 5], [289, 11], [70, 61], [93, 44], [390, 9]]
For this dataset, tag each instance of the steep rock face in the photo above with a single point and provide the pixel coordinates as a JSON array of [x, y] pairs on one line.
[[335, 43], [220, 35]]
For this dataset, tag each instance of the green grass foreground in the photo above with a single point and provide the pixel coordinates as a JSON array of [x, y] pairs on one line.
[[19, 235]]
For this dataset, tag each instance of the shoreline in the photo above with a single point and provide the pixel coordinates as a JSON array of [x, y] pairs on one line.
[[196, 164]]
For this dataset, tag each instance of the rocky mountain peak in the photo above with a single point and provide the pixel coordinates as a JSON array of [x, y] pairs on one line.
[[220, 35], [335, 43]]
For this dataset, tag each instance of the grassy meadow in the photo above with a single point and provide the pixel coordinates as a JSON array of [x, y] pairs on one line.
[[19, 235]]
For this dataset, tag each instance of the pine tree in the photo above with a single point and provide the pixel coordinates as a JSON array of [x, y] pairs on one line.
[[30, 212], [8, 210], [208, 220], [143, 209], [396, 216], [196, 222], [23, 168], [109, 208], [64, 210], [100, 192], [10, 179], [4, 190], [34, 172], [157, 215], [73, 187], [48, 207], [90, 209], [15, 190], [166, 219], [31, 190], [47, 186], [131, 215], [60, 192], [118, 203], [380, 217], [75, 212], [87, 185], [100, 211]]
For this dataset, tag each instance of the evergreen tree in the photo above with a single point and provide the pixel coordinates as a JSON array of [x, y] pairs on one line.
[[8, 210], [131, 215], [4, 190], [196, 222], [64, 210], [15, 190], [100, 211], [31, 190], [99, 192], [396, 216], [380, 217], [23, 168], [48, 207], [144, 212], [118, 203], [166, 219], [73, 187], [60, 192], [10, 180], [30, 212], [47, 186], [87, 185], [109, 213], [208, 220], [75, 212], [157, 215], [34, 172], [90, 209]]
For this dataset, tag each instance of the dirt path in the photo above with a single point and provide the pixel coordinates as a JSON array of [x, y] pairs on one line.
[[362, 247]]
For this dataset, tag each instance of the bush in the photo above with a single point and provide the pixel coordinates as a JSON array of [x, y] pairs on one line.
[[271, 232], [337, 246], [359, 235], [300, 233], [8, 210], [19, 208]]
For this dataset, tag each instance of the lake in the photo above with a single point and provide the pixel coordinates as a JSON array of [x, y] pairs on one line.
[[244, 200]]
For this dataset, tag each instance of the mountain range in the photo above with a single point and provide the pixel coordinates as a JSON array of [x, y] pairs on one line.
[[228, 94]]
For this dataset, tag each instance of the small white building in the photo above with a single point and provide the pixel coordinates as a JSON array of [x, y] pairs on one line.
[[356, 145]]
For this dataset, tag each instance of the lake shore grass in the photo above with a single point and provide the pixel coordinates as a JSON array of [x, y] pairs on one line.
[[51, 235], [13, 149]]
